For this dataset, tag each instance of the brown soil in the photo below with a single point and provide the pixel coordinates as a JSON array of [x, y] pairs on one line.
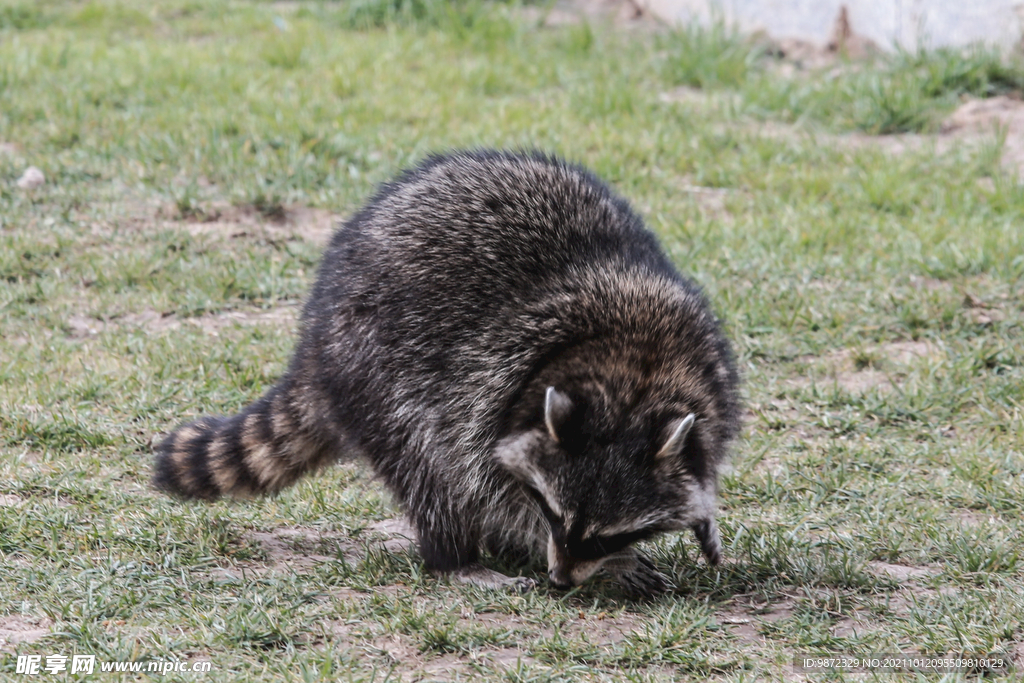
[[899, 572], [627, 14], [231, 222], [394, 534], [19, 629], [300, 548], [283, 317], [746, 619], [871, 368], [711, 201], [977, 120]]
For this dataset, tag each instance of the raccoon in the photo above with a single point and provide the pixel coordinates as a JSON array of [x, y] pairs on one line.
[[503, 340]]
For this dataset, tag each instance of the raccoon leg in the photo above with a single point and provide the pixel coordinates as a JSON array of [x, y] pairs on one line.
[[710, 542], [636, 574], [265, 448], [448, 547], [509, 551]]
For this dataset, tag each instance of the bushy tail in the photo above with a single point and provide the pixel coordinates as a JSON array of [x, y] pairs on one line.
[[262, 450]]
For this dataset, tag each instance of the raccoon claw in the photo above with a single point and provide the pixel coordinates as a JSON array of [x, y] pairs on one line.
[[482, 577], [521, 584], [638, 578]]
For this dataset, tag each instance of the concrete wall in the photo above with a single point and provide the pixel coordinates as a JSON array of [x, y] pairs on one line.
[[889, 23]]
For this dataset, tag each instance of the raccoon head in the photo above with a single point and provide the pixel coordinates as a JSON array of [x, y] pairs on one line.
[[604, 485]]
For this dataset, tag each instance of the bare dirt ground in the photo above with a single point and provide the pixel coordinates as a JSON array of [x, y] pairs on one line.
[[872, 367], [231, 221], [21, 629], [155, 322]]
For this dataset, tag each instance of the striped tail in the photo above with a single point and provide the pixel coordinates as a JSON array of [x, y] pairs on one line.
[[265, 448]]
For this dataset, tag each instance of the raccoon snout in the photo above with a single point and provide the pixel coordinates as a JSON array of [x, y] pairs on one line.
[[559, 579], [565, 571]]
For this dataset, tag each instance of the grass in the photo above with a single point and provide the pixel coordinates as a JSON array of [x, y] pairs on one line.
[[906, 92], [874, 299]]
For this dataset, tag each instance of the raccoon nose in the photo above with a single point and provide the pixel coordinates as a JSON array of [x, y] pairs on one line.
[[559, 579]]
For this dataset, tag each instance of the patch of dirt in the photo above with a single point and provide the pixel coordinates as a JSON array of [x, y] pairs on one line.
[[283, 317], [905, 600], [742, 625], [899, 572], [846, 627], [9, 501], [18, 629], [696, 97], [995, 115], [929, 284], [604, 629], [984, 114], [982, 312], [404, 654], [81, 327], [413, 664], [300, 548], [282, 223], [684, 94], [970, 519], [743, 617], [394, 534], [1016, 654], [153, 321], [710, 200], [629, 14], [973, 123], [873, 367], [906, 352], [446, 667], [280, 316], [862, 381]]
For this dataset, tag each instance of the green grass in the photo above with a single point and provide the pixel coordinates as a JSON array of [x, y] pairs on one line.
[[906, 92], [875, 300]]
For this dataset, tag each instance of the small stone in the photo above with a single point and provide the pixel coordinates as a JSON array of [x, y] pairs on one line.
[[31, 178]]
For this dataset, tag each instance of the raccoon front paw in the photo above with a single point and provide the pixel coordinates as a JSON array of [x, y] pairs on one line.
[[522, 584], [478, 575], [638, 578]]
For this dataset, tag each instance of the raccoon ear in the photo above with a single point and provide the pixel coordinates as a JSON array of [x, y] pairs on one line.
[[676, 440], [557, 409]]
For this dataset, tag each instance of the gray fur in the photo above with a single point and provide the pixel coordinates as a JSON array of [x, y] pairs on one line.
[[514, 354]]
